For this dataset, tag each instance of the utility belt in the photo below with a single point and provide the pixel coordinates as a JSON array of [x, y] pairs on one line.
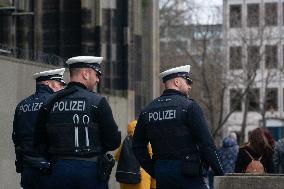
[[193, 166], [91, 159], [175, 155], [191, 163], [105, 163], [75, 152]]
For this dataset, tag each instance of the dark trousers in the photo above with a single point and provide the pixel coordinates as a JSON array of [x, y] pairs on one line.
[[73, 174], [169, 176], [30, 178]]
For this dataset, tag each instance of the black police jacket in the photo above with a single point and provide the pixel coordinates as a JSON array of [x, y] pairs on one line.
[[176, 128], [24, 123], [79, 123]]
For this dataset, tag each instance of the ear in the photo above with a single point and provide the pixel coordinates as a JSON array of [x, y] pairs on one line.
[[176, 82], [85, 74]]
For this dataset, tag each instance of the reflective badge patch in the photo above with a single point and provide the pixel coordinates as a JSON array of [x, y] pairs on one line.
[[162, 115], [72, 105], [31, 107]]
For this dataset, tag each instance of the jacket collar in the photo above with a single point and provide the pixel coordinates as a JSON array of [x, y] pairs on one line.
[[172, 92], [41, 88], [78, 84]]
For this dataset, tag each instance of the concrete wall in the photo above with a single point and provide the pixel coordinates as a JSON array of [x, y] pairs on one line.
[[16, 83], [249, 182]]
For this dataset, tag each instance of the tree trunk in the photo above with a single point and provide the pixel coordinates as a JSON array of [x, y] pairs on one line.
[[244, 123]]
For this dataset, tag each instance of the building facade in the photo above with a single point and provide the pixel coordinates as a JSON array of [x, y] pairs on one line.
[[179, 40], [199, 45], [253, 52], [124, 32]]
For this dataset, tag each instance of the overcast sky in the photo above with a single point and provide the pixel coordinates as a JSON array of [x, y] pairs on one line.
[[208, 12], [209, 2]]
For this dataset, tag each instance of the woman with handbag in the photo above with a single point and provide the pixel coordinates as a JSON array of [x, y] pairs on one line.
[[259, 150]]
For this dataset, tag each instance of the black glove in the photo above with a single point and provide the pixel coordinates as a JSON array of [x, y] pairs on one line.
[[19, 166], [19, 160], [40, 163]]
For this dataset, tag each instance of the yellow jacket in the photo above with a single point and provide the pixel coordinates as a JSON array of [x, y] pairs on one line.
[[146, 181]]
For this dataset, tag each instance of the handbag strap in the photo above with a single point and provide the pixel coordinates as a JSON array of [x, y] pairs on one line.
[[251, 156]]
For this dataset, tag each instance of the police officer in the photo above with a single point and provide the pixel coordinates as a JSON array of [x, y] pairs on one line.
[[79, 127], [181, 142], [28, 162]]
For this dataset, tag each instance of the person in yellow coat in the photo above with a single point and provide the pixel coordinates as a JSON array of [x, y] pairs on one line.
[[129, 173]]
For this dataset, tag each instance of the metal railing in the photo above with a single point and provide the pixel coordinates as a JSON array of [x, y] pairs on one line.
[[31, 55]]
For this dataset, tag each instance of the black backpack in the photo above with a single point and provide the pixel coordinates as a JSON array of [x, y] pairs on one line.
[[128, 167]]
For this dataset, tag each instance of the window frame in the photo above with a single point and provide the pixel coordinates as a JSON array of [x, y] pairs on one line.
[[235, 20]]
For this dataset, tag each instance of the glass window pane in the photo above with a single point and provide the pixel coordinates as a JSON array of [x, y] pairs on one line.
[[236, 57], [252, 15], [271, 14], [235, 16], [271, 100], [235, 101]]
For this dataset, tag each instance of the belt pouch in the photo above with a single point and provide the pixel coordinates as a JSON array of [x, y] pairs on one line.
[[190, 165]]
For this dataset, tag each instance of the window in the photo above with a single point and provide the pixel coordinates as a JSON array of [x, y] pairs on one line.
[[270, 56], [235, 16], [235, 101], [252, 15], [271, 14], [24, 5], [253, 57], [253, 98], [180, 46], [283, 53], [283, 12], [283, 98], [271, 99], [236, 57]]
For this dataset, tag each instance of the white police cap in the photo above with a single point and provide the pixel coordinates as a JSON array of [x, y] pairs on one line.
[[86, 62], [181, 71], [56, 75]]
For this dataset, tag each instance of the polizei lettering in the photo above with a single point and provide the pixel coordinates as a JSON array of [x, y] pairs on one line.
[[162, 115], [30, 107], [73, 105]]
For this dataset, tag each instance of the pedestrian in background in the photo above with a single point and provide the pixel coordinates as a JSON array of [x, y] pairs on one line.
[[28, 161], [129, 173], [260, 147], [176, 128], [228, 153], [278, 156], [76, 127]]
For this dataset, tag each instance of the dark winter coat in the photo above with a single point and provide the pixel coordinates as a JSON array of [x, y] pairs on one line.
[[278, 156], [228, 154]]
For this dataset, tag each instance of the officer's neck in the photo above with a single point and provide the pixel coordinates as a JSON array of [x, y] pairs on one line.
[[171, 91], [76, 83]]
